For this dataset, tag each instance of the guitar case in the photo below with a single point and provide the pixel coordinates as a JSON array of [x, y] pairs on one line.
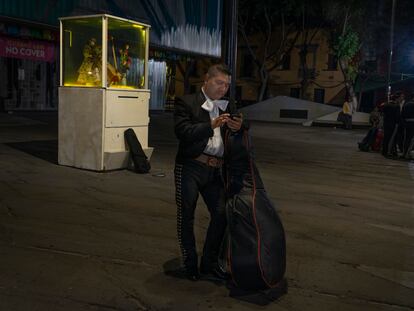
[[255, 242], [138, 160]]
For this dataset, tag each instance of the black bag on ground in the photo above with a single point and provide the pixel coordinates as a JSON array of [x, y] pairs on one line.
[[341, 117], [256, 246], [137, 155]]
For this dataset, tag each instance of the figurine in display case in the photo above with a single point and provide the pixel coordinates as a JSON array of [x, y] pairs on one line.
[[90, 69], [125, 63], [105, 52], [117, 73]]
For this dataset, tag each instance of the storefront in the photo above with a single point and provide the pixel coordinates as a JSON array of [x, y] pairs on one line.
[[28, 58]]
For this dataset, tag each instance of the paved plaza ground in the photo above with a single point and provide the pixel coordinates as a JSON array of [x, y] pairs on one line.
[[73, 239]]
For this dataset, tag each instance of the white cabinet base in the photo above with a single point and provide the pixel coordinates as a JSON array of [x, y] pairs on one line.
[[92, 122]]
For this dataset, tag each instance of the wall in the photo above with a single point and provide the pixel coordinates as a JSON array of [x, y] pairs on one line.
[[286, 109]]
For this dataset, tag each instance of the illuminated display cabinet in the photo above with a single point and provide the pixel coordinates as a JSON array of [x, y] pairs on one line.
[[103, 90]]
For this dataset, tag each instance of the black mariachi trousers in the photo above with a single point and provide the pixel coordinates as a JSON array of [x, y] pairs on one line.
[[408, 138], [191, 179]]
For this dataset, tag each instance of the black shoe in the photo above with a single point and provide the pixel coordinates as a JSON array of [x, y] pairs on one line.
[[192, 274], [392, 156], [363, 147], [183, 273], [215, 273]]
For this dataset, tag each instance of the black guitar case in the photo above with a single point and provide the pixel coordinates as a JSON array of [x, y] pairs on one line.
[[256, 247], [139, 160]]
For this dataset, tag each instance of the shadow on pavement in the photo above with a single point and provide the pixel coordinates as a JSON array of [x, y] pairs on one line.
[[44, 149], [259, 297], [173, 268]]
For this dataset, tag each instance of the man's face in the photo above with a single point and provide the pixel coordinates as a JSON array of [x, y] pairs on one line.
[[216, 86]]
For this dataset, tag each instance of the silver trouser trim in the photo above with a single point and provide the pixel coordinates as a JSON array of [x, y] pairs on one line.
[[178, 200]]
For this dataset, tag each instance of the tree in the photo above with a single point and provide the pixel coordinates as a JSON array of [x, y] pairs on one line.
[[258, 21], [343, 17], [346, 47], [308, 24]]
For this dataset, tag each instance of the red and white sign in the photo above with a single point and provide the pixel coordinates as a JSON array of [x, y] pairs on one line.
[[27, 49]]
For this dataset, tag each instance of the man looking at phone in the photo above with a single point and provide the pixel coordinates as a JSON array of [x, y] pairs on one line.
[[199, 120]]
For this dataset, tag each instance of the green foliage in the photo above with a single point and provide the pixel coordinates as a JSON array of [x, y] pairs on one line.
[[347, 45], [351, 72], [346, 48]]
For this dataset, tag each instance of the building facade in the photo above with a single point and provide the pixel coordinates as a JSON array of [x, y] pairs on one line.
[[324, 78]]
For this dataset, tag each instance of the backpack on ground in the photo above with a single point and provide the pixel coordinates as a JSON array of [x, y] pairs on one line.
[[138, 161]]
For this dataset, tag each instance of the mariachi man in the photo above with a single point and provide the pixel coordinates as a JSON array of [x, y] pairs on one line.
[[199, 120]]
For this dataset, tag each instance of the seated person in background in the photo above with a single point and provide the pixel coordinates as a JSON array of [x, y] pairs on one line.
[[375, 119], [345, 116]]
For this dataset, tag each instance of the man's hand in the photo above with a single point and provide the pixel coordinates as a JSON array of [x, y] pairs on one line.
[[235, 123], [220, 120]]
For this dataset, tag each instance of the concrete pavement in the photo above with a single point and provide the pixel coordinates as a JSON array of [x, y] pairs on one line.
[[78, 240]]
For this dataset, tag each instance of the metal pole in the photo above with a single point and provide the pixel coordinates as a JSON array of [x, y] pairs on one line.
[[231, 44], [391, 50]]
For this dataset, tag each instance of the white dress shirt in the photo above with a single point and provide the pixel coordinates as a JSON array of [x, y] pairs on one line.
[[215, 144]]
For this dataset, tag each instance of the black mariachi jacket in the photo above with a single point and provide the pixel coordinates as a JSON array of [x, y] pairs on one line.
[[192, 125]]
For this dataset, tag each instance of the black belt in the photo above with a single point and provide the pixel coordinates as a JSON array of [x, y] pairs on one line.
[[210, 160]]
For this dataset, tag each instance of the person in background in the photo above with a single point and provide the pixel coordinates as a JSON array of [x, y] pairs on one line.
[[407, 116], [391, 112], [401, 100], [346, 114], [375, 119]]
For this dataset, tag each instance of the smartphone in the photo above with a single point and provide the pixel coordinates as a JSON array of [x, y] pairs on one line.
[[235, 115]]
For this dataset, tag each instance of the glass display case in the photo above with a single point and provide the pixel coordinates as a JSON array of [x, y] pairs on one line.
[[103, 90], [90, 43]]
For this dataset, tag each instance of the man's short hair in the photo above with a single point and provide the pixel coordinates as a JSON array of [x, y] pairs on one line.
[[218, 68]]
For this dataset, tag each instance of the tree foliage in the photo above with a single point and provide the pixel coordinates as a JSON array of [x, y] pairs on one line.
[[347, 45]]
